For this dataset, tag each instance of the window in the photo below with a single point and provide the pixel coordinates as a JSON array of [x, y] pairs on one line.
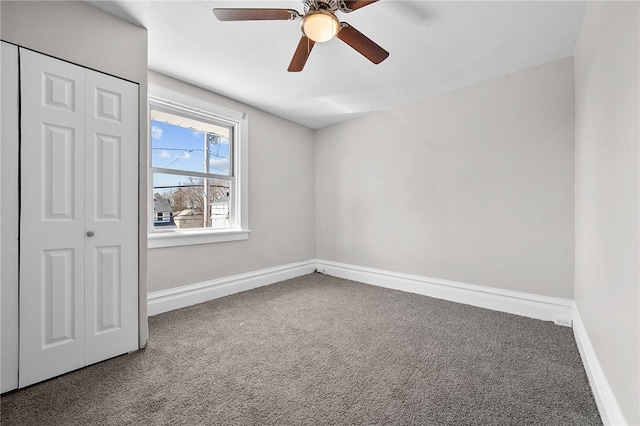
[[197, 171]]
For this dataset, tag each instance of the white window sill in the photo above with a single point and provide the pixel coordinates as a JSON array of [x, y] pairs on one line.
[[187, 238]]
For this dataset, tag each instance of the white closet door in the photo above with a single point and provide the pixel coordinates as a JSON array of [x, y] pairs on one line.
[[111, 196], [9, 216], [79, 217], [52, 218]]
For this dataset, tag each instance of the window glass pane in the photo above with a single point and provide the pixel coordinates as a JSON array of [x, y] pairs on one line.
[[220, 195], [219, 158], [179, 202], [187, 144]]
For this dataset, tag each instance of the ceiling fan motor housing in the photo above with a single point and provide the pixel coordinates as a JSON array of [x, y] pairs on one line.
[[330, 5]]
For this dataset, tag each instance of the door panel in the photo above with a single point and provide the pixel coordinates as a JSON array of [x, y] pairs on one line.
[[58, 173], [59, 92], [112, 215], [52, 218], [108, 292], [108, 161], [58, 291]]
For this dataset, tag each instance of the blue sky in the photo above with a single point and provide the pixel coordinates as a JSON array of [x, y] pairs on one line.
[[174, 147]]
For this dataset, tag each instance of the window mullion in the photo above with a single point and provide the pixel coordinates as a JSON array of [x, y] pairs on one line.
[[188, 173], [207, 207]]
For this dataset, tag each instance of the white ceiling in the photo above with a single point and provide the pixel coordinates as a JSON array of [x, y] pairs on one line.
[[434, 47]]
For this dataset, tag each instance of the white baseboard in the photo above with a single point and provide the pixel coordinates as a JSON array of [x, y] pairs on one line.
[[608, 407], [513, 302], [180, 297]]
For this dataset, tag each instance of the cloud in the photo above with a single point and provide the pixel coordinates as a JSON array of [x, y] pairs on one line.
[[186, 156], [164, 154], [156, 132], [219, 162], [196, 134], [219, 166]]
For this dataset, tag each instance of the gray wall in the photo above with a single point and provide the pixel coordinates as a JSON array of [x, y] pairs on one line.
[[85, 35], [474, 185], [281, 204], [607, 193]]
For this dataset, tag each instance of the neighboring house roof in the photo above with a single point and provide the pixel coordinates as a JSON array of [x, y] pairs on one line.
[[162, 205], [221, 200], [185, 213]]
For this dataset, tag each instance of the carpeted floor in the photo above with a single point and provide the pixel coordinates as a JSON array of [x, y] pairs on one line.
[[319, 350]]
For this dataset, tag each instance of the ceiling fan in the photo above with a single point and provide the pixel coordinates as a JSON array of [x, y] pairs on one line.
[[319, 24]]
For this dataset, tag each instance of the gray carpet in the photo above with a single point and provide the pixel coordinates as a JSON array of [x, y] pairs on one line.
[[319, 350]]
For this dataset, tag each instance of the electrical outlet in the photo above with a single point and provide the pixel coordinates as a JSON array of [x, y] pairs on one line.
[[563, 321]]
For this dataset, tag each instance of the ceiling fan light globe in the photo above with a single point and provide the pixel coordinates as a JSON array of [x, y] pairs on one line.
[[320, 26]]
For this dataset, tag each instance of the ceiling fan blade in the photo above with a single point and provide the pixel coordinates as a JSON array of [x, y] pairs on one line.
[[357, 4], [233, 14], [301, 55], [363, 44]]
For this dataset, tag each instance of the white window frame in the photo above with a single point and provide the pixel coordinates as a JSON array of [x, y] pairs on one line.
[[167, 99]]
